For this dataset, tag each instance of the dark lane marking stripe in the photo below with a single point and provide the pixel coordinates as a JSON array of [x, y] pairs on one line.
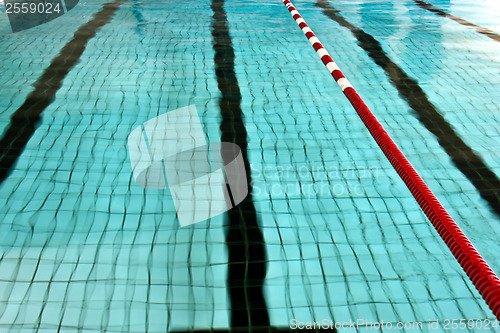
[[137, 11], [244, 239], [464, 158], [24, 120], [485, 31]]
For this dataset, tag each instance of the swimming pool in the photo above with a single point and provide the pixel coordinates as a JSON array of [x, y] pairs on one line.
[[329, 231]]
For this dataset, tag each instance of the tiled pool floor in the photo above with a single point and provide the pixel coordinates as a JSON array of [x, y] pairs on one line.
[[83, 248]]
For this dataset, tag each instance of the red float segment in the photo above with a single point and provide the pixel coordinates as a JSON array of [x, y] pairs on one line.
[[476, 268]]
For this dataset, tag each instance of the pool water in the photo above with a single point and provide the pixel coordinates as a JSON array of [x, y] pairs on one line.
[[83, 248]]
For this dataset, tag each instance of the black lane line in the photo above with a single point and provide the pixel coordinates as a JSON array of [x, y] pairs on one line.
[[482, 30], [244, 239], [137, 11], [464, 158], [24, 120]]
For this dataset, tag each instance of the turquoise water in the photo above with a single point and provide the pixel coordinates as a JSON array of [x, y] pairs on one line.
[[84, 248]]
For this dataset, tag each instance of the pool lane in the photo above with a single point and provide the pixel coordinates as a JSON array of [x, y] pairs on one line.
[[24, 120], [466, 160], [482, 30], [303, 122], [82, 245]]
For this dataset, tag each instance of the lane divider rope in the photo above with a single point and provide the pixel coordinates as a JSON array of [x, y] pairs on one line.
[[476, 268]]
